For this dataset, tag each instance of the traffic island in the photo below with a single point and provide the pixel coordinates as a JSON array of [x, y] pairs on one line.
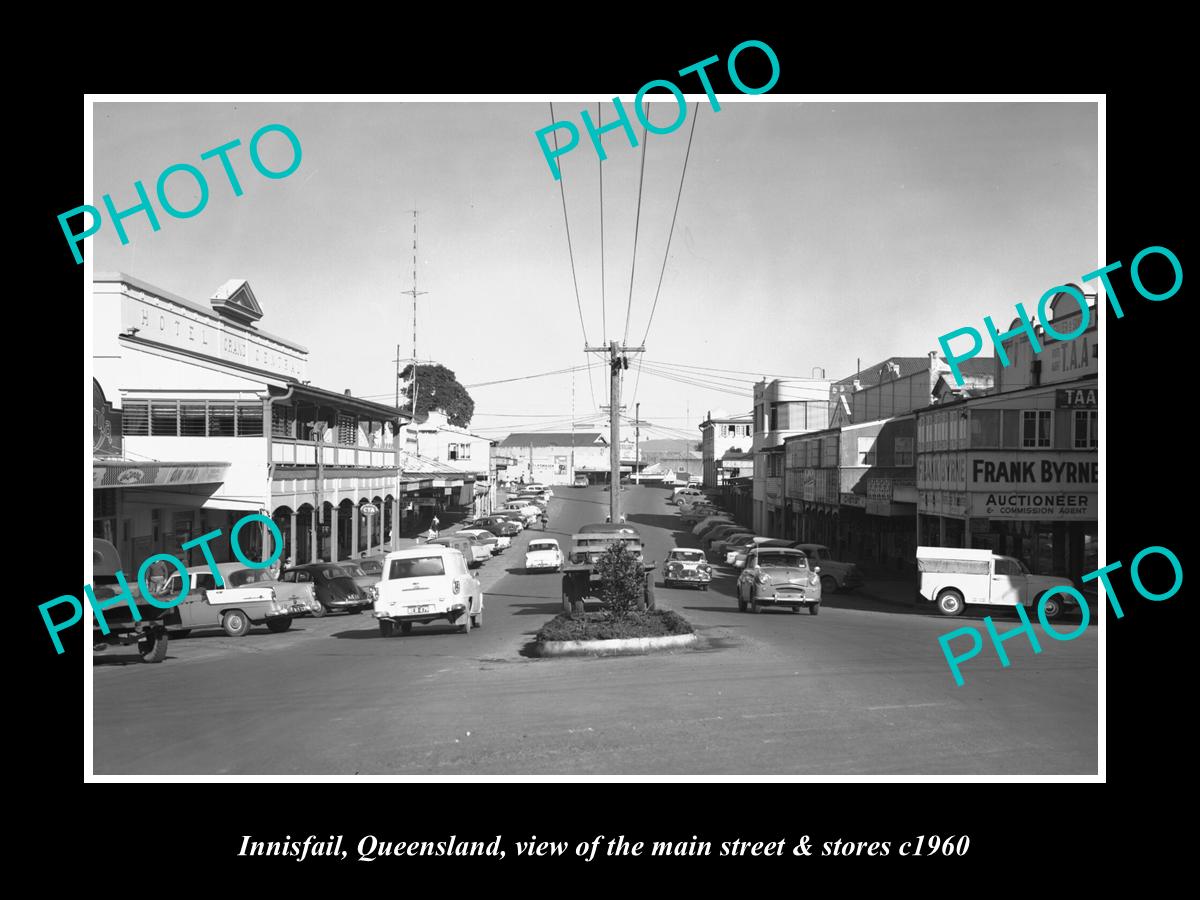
[[601, 634]]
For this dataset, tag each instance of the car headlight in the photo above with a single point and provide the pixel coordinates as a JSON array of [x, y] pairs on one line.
[[763, 578], [707, 570], [813, 579]]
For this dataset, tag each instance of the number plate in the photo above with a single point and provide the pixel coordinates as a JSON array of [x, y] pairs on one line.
[[299, 609], [418, 609]]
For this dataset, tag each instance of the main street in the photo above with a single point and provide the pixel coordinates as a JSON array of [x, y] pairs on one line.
[[861, 689]]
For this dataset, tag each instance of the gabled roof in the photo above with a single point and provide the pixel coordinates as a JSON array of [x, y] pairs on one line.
[[553, 439], [236, 301]]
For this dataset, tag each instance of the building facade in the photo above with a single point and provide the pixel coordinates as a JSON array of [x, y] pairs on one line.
[[781, 409], [722, 435], [216, 422], [556, 457]]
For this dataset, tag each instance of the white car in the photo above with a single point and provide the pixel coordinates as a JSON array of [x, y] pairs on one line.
[[503, 542], [527, 511], [424, 584], [543, 555]]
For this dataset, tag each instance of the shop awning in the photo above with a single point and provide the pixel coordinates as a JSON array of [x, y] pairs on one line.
[[125, 473]]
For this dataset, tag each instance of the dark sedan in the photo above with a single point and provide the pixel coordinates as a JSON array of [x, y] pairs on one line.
[[333, 585]]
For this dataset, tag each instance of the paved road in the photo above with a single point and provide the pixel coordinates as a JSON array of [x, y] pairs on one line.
[[862, 688]]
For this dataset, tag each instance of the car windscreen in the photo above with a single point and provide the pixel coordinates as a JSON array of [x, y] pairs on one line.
[[332, 572], [796, 560], [687, 555], [353, 571], [417, 567], [373, 567], [539, 545]]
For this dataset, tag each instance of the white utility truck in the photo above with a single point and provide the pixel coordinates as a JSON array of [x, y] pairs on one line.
[[955, 578]]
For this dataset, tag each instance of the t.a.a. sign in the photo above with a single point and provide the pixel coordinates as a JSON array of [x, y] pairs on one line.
[[1077, 398]]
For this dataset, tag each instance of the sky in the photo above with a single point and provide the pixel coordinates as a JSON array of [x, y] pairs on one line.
[[809, 236]]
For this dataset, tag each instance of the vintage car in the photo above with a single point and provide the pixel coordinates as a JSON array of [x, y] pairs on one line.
[[736, 557], [835, 576], [473, 552], [718, 551], [701, 518], [427, 584], [334, 587], [721, 532], [704, 527], [527, 511], [689, 493], [364, 579], [580, 580], [149, 631], [501, 526], [686, 566], [494, 543], [581, 481], [248, 597], [779, 576], [609, 527], [954, 578], [543, 555]]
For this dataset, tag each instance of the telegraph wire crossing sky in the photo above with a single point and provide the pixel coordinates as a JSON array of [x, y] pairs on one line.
[[807, 235]]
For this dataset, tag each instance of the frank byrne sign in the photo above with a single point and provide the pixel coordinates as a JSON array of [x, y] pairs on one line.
[[1039, 472]]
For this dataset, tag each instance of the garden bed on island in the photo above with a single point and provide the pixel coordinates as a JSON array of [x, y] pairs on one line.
[[599, 633]]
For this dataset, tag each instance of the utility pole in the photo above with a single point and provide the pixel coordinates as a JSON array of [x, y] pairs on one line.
[[617, 361], [414, 293], [637, 440], [572, 427]]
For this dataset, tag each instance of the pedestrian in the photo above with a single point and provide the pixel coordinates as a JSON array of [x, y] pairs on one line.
[[433, 526], [545, 518], [158, 575]]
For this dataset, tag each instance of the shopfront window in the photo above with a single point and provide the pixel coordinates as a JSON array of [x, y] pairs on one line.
[[1036, 427], [904, 452], [1085, 437], [985, 428]]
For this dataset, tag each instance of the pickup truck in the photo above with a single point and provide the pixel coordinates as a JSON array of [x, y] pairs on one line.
[[955, 578], [249, 597], [581, 582]]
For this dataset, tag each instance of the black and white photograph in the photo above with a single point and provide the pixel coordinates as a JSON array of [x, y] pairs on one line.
[[679, 435]]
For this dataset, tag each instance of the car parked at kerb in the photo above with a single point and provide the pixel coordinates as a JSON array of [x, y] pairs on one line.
[[473, 552], [364, 579], [779, 576], [247, 598], [835, 576], [684, 565], [427, 584], [721, 532], [494, 543], [736, 556], [334, 587]]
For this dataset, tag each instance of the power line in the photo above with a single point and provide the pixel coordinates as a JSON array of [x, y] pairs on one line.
[[636, 223], [571, 251], [756, 376]]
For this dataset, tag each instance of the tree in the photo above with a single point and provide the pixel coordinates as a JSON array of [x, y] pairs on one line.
[[622, 580], [437, 388]]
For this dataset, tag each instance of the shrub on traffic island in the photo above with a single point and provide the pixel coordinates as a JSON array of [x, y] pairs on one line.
[[601, 626]]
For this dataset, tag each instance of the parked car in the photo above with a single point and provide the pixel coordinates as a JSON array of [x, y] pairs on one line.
[[721, 532], [707, 524], [581, 481], [719, 550], [494, 543], [686, 566], [427, 584], [543, 555], [335, 589], [699, 514], [736, 556], [527, 511], [779, 576], [364, 579], [609, 527], [688, 492], [533, 500], [247, 598], [954, 578], [501, 526], [473, 552], [835, 576]]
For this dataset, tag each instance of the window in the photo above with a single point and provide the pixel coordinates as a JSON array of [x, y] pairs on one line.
[[1085, 429], [904, 452], [1036, 427], [193, 419], [774, 417], [985, 428], [866, 451], [347, 433], [283, 422], [421, 567], [135, 418], [164, 418], [829, 452], [220, 419], [1007, 567], [249, 419], [459, 451], [814, 454]]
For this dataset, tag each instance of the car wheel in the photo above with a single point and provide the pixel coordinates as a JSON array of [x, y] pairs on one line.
[[279, 624], [566, 595], [235, 623], [753, 603], [320, 612], [950, 603], [828, 585], [1052, 608], [741, 602], [386, 628], [464, 626], [154, 646], [813, 609], [406, 627]]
